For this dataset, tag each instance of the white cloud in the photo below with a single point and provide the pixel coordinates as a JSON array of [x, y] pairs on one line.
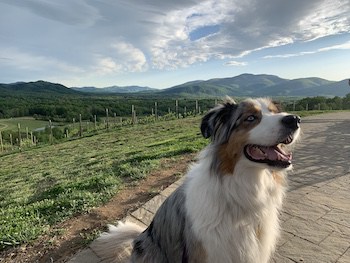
[[235, 63], [107, 65], [131, 58], [343, 46]]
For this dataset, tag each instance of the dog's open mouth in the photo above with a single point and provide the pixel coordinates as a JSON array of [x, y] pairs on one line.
[[272, 155]]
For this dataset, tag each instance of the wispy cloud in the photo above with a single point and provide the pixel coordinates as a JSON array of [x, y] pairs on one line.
[[303, 53], [235, 63]]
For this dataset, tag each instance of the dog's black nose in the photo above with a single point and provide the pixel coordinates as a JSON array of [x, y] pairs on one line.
[[291, 121]]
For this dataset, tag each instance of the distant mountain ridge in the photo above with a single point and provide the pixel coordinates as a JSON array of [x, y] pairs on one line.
[[260, 85], [114, 89], [37, 88], [244, 85]]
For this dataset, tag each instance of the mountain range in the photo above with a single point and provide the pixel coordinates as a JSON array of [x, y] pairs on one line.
[[261, 85], [114, 89], [238, 86]]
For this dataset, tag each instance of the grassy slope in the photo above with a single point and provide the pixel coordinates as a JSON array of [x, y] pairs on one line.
[[31, 123], [43, 186]]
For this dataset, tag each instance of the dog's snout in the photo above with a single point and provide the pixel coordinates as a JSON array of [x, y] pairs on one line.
[[291, 121]]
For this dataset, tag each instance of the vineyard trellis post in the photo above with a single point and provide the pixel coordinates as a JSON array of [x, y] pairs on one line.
[[177, 108], [133, 115], [32, 138], [196, 107], [115, 119], [1, 143], [95, 125], [51, 135], [19, 134], [11, 141], [107, 120], [80, 126], [156, 110]]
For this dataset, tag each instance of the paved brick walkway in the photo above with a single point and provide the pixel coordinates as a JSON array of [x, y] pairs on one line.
[[316, 214]]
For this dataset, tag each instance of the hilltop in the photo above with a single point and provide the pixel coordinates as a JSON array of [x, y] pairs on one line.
[[114, 89], [260, 85], [243, 85], [35, 88]]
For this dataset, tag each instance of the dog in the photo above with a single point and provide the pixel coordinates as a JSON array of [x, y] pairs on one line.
[[227, 209]]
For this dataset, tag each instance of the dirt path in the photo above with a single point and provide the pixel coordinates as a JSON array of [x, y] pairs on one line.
[[72, 235]]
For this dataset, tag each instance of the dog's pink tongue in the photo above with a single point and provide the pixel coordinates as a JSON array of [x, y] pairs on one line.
[[276, 154], [257, 153]]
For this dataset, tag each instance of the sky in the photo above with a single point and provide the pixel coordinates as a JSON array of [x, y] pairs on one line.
[[162, 43]]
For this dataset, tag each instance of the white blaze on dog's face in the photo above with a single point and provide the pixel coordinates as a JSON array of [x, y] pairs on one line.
[[254, 130]]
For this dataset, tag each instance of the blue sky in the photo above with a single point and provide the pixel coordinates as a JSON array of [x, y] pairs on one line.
[[162, 43]]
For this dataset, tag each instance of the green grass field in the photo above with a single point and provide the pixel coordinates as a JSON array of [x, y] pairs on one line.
[[46, 185], [12, 124]]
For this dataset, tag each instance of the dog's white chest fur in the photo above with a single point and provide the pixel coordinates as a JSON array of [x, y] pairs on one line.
[[235, 217]]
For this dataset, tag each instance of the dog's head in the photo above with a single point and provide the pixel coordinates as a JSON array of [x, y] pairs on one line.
[[255, 130]]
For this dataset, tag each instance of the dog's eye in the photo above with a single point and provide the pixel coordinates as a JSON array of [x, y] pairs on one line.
[[250, 118]]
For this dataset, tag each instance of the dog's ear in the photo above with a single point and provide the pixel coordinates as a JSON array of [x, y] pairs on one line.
[[207, 124], [218, 117]]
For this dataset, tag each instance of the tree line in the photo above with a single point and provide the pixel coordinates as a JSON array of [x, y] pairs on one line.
[[69, 107], [319, 103], [65, 108]]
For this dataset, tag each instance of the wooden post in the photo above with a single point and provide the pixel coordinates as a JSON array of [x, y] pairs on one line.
[[19, 134], [11, 141], [67, 133], [177, 108], [107, 120], [80, 126], [27, 131], [73, 123], [216, 102], [32, 138], [51, 135], [133, 114], [196, 112], [95, 123], [156, 110], [185, 111], [293, 105], [307, 106], [115, 119], [1, 143]]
